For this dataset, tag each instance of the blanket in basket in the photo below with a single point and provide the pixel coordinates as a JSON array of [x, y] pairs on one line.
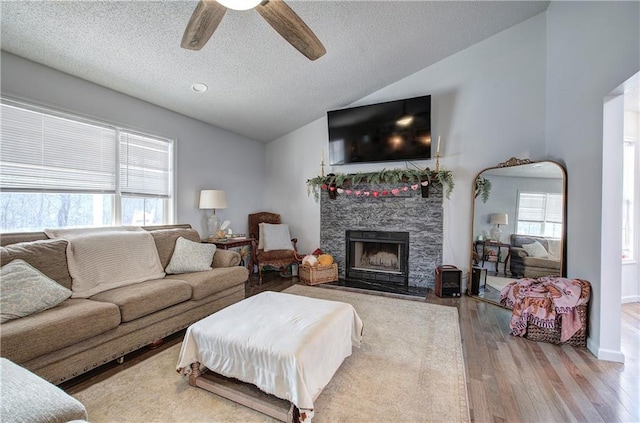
[[539, 301]]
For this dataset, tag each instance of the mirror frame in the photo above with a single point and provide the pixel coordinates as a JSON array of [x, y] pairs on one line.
[[476, 196]]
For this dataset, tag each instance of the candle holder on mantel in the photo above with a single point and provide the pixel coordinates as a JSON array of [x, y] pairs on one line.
[[437, 162]]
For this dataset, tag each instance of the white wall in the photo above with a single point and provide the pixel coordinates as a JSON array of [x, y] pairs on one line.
[[487, 105], [592, 48], [207, 157]]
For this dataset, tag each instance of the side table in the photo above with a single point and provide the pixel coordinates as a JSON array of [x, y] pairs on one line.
[[236, 242], [486, 245]]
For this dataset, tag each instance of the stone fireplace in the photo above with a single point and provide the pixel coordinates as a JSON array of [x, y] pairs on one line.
[[377, 256], [409, 213]]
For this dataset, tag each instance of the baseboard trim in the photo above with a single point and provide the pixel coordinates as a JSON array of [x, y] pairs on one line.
[[631, 299], [605, 355]]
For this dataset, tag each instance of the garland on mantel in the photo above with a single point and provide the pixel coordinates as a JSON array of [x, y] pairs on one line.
[[342, 183]]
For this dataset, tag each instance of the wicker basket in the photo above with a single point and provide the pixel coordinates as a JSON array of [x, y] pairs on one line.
[[579, 339], [318, 274]]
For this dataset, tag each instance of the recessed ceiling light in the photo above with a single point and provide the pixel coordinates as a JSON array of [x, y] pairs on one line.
[[199, 87]]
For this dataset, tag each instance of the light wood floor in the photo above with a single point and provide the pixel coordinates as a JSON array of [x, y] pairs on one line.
[[510, 379]]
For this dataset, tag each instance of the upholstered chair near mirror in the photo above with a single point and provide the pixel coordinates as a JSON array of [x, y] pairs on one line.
[[518, 225]]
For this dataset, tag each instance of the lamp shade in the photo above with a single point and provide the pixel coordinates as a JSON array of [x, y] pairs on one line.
[[499, 219], [213, 199]]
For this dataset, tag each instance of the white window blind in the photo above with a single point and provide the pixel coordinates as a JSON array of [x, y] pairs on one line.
[[554, 208], [540, 214], [145, 165], [531, 207], [45, 152]]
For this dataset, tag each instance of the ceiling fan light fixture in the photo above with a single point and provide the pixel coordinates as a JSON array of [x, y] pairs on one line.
[[405, 120], [239, 4]]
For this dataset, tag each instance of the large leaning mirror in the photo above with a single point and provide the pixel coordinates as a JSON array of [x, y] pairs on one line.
[[518, 225]]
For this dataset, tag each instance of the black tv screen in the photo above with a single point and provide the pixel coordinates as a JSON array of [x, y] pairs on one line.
[[392, 131]]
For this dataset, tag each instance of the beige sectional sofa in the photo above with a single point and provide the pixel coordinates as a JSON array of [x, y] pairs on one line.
[[80, 334]]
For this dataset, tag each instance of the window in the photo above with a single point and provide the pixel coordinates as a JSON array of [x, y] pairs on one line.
[[58, 170], [540, 214]]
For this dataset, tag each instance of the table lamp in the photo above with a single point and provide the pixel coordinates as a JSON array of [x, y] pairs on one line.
[[213, 199], [498, 219]]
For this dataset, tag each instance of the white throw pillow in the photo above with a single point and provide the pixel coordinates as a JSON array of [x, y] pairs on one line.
[[261, 236], [276, 237], [190, 256], [24, 290], [535, 249]]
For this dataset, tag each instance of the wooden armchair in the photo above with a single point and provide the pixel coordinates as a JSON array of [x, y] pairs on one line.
[[276, 258]]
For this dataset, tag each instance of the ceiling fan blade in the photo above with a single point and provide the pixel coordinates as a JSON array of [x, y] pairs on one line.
[[204, 21], [289, 25]]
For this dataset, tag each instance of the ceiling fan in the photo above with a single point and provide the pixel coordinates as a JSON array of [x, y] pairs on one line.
[[209, 13]]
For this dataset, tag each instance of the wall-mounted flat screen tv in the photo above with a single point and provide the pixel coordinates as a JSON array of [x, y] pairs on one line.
[[392, 131]]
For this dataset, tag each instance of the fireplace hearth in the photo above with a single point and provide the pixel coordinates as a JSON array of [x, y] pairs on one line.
[[380, 256]]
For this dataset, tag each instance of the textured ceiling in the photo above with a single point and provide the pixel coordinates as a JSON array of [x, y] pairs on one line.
[[259, 86]]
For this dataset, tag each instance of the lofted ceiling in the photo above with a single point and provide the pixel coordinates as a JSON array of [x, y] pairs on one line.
[[259, 86]]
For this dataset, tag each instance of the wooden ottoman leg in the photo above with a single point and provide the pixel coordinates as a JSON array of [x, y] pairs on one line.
[[195, 373]]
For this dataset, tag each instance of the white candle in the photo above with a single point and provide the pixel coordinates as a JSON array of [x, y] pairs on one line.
[[438, 149], [322, 155]]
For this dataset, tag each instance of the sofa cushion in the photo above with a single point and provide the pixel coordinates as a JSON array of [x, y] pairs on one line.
[[206, 283], [535, 249], [520, 240], [72, 321], [555, 248], [48, 256], [190, 256], [16, 237], [542, 263], [24, 291], [165, 240], [146, 297]]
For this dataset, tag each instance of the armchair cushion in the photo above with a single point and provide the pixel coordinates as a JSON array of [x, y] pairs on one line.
[[276, 237], [275, 255]]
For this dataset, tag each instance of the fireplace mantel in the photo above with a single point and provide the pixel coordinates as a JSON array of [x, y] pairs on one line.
[[335, 183]]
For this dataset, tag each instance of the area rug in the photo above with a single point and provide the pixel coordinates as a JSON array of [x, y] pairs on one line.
[[409, 368]]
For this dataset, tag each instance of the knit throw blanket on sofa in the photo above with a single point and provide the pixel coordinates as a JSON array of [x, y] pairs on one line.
[[104, 260], [539, 301]]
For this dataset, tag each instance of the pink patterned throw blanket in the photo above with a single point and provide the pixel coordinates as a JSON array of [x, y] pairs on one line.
[[539, 301]]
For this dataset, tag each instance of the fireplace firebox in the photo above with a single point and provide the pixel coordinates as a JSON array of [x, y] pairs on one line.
[[377, 256]]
